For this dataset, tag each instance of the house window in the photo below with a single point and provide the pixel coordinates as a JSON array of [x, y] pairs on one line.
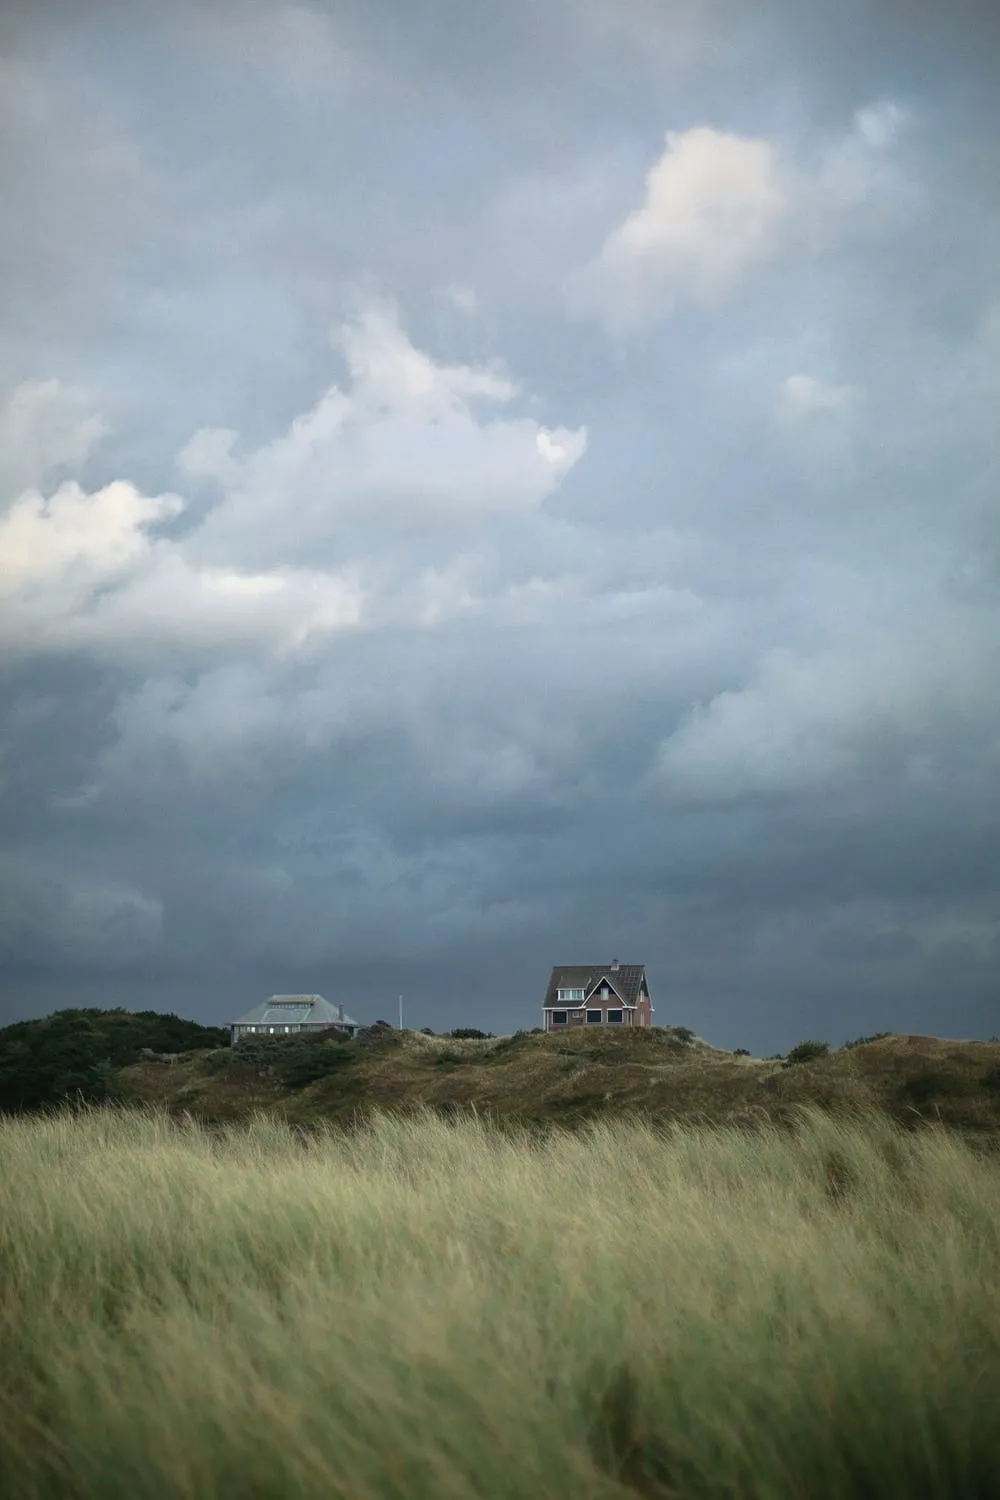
[[559, 1018], [570, 995], [604, 992], [593, 1018], [614, 1018]]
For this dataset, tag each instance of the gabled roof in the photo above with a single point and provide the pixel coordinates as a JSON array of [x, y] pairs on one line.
[[294, 1010], [626, 981]]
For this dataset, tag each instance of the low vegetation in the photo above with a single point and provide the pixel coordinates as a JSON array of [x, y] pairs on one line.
[[532, 1079], [806, 1052], [528, 1079], [420, 1308]]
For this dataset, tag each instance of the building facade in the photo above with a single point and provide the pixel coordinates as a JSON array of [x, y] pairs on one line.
[[285, 1015], [597, 995]]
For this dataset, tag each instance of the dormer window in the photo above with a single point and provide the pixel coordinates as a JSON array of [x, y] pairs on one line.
[[567, 997]]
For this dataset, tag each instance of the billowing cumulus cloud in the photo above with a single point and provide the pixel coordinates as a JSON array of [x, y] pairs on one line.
[[878, 703], [501, 487], [407, 446], [303, 540], [713, 207], [718, 205], [44, 426]]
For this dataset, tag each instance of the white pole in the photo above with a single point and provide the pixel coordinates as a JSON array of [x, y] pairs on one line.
[[400, 1012]]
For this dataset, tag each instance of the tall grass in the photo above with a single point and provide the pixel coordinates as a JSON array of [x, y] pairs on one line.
[[432, 1311]]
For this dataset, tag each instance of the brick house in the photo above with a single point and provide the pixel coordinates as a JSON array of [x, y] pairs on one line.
[[283, 1015], [597, 995]]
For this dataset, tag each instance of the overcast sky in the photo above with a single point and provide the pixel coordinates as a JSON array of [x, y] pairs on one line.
[[484, 486]]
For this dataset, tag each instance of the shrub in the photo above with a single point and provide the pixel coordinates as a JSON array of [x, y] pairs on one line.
[[806, 1052], [862, 1041], [934, 1083], [379, 1034], [991, 1079], [470, 1033], [292, 1061], [741, 1051], [76, 1053], [298, 1066]]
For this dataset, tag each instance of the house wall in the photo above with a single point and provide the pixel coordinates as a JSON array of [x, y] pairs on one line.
[[254, 1029], [574, 1020]]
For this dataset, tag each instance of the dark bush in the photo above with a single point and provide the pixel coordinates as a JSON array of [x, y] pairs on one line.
[[806, 1052], [741, 1051], [470, 1033], [301, 1065], [862, 1041], [991, 1079], [379, 1034], [291, 1061], [77, 1053], [933, 1084]]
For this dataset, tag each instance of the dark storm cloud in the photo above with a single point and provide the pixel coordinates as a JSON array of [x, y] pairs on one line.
[[613, 583]]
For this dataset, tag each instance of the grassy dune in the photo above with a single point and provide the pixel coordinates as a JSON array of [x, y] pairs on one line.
[[663, 1074], [423, 1309]]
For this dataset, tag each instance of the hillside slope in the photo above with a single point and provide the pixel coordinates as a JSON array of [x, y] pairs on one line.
[[572, 1077]]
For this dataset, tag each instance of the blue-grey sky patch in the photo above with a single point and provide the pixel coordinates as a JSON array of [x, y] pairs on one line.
[[488, 487]]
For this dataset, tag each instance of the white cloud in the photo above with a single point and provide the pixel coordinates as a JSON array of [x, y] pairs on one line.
[[209, 613], [462, 296], [307, 540], [858, 183], [388, 372], [43, 426], [818, 426], [405, 447], [75, 541], [209, 455], [717, 205], [87, 572], [880, 124], [713, 207], [874, 699]]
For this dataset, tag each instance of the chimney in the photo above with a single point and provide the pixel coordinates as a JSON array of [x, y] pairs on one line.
[[614, 966], [340, 1012]]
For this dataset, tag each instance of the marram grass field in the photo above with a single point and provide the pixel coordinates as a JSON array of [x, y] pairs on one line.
[[427, 1310]]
